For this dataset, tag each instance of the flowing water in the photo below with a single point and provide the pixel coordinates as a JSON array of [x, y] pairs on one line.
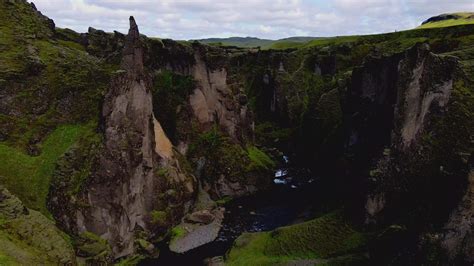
[[290, 200]]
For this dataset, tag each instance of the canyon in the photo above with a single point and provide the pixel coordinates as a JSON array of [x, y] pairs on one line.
[[125, 149]]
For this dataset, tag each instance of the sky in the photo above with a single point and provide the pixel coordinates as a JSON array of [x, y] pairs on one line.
[[270, 19]]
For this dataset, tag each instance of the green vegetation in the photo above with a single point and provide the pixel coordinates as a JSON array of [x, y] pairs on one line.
[[6, 260], [259, 160], [29, 238], [466, 57], [228, 159], [92, 246], [223, 201], [225, 157], [177, 232], [252, 42], [159, 218], [29, 177], [247, 42], [386, 42], [94, 249], [456, 20], [75, 165], [322, 238], [50, 82]]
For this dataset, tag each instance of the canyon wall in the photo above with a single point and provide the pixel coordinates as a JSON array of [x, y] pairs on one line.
[[415, 173]]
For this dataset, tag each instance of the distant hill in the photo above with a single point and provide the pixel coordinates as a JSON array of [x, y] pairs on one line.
[[447, 20], [248, 42], [443, 20], [237, 41]]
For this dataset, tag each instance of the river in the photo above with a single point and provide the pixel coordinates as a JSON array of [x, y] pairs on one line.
[[291, 199]]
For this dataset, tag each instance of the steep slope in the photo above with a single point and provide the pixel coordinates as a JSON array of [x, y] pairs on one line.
[[45, 84], [27, 237]]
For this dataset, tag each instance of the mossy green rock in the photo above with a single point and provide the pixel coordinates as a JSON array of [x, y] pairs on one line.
[[29, 238]]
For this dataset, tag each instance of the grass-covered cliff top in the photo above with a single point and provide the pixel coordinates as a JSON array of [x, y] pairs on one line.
[[440, 21], [249, 42]]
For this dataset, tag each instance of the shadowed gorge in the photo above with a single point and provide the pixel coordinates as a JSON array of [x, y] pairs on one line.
[[131, 150]]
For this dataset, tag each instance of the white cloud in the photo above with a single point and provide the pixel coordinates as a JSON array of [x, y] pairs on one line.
[[191, 19]]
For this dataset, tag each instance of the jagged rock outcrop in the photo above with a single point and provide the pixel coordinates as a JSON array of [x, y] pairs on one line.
[[137, 165], [213, 100], [118, 196]]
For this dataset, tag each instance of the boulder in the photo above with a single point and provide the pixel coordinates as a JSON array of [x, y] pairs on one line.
[[202, 217]]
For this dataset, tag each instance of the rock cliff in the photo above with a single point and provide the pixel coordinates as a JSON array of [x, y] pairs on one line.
[[400, 106], [136, 165]]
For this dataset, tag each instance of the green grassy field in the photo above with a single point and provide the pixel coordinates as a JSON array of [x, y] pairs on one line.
[[29, 177], [407, 36], [322, 238]]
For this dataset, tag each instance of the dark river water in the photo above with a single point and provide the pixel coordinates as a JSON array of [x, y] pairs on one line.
[[291, 199]]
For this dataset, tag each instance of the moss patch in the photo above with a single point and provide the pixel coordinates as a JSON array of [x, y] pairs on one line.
[[159, 218], [28, 237], [259, 159], [177, 232]]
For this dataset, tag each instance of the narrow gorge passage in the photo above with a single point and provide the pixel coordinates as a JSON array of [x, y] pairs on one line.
[[291, 199]]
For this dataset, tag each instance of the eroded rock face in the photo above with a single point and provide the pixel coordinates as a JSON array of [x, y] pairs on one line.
[[125, 188], [425, 85], [212, 101], [392, 99], [401, 107]]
